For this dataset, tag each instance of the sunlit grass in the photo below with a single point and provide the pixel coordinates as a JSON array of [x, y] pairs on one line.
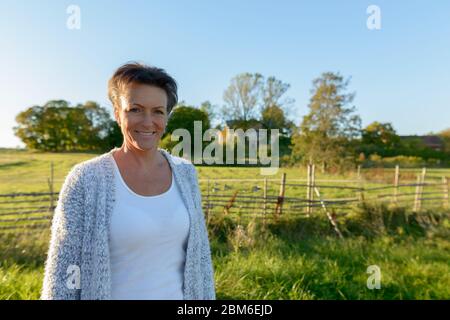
[[298, 259]]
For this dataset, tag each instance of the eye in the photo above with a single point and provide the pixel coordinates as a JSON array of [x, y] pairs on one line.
[[134, 110]]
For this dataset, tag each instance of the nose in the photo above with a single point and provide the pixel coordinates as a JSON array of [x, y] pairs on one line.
[[148, 119]]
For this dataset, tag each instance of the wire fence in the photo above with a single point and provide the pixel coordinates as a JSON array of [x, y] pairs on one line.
[[266, 199]]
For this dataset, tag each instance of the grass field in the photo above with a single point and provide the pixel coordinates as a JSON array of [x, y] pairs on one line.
[[296, 259], [25, 171]]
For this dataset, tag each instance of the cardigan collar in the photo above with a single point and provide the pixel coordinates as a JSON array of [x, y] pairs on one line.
[[177, 165]]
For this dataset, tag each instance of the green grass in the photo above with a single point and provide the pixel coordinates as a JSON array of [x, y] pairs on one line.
[[294, 259], [22, 260], [291, 260], [330, 269], [303, 260], [27, 171]]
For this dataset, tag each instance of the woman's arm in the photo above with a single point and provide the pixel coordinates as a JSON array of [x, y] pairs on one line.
[[62, 274], [209, 292]]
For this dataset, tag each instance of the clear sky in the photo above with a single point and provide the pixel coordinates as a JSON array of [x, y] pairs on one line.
[[401, 73]]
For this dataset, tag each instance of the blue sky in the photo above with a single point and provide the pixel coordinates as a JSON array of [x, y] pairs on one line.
[[401, 73]]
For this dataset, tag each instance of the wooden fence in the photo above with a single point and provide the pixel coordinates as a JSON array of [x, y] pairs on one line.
[[289, 198], [282, 198], [25, 212]]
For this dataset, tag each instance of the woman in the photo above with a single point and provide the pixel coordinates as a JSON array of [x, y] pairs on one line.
[[129, 223]]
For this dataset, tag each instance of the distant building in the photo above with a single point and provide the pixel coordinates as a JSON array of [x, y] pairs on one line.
[[225, 132], [240, 124], [433, 142]]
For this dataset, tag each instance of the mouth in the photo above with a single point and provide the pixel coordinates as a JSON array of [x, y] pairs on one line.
[[146, 133]]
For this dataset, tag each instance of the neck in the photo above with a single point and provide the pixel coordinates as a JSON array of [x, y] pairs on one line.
[[144, 159]]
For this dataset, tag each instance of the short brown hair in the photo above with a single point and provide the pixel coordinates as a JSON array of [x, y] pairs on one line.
[[135, 72]]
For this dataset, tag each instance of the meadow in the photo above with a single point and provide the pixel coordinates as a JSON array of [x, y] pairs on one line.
[[297, 258]]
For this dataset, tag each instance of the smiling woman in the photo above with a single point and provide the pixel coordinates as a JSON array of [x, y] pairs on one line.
[[129, 223], [142, 115]]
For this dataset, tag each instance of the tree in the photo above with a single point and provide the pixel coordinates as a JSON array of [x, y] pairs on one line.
[[114, 138], [326, 134], [276, 106], [245, 124], [379, 138], [57, 126], [274, 118], [183, 117], [381, 134], [242, 97], [210, 110], [445, 135], [251, 97], [273, 95], [99, 118], [273, 91]]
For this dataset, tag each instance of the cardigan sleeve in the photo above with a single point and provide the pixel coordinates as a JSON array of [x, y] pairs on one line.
[[62, 274], [206, 261]]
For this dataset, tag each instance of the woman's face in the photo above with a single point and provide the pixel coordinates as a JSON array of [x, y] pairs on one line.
[[142, 116]]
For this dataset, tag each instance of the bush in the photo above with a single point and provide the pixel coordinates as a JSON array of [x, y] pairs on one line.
[[404, 161], [371, 220]]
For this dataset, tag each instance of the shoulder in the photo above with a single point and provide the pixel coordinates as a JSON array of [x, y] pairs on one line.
[[88, 170], [177, 161], [183, 166]]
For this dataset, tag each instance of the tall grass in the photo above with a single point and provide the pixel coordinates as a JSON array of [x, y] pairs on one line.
[[299, 258], [22, 260], [293, 259], [304, 260]]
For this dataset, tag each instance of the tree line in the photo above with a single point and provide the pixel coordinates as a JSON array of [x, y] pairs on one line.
[[330, 134]]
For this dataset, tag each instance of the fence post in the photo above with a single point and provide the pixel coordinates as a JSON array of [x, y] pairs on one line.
[[358, 172], [422, 182], [419, 190], [424, 172], [279, 207], [396, 181], [361, 189], [50, 186], [308, 187], [230, 203], [416, 197], [265, 201], [445, 183], [331, 217]]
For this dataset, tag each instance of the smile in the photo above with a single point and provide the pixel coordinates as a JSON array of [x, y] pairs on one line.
[[146, 133]]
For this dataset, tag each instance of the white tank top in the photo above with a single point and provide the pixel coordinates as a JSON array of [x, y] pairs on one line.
[[148, 239]]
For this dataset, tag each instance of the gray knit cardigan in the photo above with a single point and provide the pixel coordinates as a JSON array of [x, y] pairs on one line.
[[80, 234]]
